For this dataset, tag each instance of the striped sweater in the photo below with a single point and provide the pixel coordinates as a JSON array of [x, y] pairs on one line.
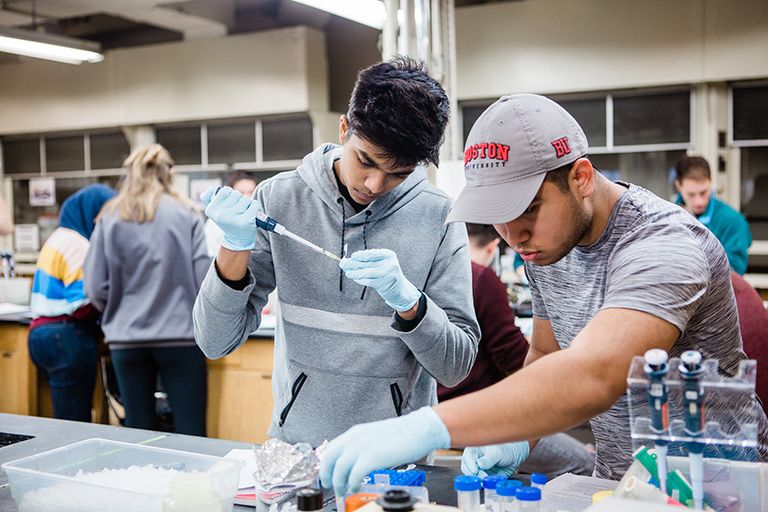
[[57, 291]]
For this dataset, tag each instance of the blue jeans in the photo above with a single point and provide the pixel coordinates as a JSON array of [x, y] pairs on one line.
[[65, 353], [184, 376]]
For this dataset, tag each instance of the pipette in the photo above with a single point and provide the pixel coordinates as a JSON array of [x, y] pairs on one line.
[[693, 398], [269, 224], [656, 368]]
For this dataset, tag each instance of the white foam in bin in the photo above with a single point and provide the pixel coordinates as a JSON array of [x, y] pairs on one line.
[[98, 474]]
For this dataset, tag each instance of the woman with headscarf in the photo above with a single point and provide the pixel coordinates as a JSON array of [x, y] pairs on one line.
[[64, 332], [143, 271]]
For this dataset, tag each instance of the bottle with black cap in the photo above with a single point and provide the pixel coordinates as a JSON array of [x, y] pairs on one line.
[[396, 501], [309, 500]]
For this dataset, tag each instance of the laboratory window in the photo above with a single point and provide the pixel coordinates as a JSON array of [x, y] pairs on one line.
[[286, 139], [64, 153], [231, 142], [183, 142], [652, 119], [21, 155], [108, 149], [652, 170], [750, 113]]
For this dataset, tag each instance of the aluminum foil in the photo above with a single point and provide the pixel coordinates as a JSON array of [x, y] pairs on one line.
[[278, 462]]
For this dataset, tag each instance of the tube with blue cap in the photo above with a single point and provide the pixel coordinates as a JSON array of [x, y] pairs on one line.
[[656, 368], [691, 372]]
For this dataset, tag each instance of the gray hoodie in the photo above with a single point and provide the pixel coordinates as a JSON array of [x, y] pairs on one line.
[[144, 277], [340, 358]]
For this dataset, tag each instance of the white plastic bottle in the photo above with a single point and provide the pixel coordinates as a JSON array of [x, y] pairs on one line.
[[192, 492]]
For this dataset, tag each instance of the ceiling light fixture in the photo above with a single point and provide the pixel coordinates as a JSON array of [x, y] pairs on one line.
[[50, 47], [367, 12]]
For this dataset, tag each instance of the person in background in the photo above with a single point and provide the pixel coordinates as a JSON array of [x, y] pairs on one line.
[[64, 332], [143, 271], [693, 181], [501, 352], [246, 185], [753, 321], [365, 338]]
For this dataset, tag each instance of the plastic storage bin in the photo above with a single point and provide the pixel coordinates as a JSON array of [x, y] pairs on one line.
[[49, 481]]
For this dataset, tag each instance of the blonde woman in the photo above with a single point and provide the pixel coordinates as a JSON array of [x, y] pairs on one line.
[[146, 263]]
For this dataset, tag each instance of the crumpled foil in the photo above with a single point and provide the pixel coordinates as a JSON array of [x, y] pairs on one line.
[[279, 462]]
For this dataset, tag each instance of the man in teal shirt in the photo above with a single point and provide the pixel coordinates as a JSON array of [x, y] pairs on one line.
[[694, 186]]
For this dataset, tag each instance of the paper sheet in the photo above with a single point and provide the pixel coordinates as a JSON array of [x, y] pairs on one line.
[[573, 493], [246, 473]]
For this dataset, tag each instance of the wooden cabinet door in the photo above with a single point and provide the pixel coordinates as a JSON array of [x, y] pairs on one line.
[[18, 378], [240, 393]]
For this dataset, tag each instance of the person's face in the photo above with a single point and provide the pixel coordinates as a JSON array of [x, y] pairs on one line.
[[554, 223], [366, 174], [695, 194], [245, 187]]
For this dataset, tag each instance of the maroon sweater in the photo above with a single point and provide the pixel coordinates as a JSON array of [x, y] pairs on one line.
[[753, 320], [502, 347]]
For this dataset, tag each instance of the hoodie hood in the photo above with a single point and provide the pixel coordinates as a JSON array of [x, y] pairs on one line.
[[317, 172]]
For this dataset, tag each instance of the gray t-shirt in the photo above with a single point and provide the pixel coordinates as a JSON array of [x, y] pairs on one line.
[[656, 258]]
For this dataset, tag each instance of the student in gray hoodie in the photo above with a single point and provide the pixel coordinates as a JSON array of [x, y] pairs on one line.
[[367, 339]]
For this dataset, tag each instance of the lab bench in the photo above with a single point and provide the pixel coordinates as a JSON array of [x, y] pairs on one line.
[[239, 385], [50, 433]]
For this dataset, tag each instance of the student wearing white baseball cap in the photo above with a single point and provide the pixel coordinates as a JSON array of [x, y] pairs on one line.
[[614, 271]]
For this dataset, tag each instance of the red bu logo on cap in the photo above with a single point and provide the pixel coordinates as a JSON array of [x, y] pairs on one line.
[[490, 150], [562, 146]]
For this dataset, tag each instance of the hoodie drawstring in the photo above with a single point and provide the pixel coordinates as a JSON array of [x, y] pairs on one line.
[[365, 243], [343, 226]]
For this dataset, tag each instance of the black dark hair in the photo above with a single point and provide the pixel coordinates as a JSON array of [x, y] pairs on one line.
[[560, 175], [397, 106], [481, 234], [693, 167]]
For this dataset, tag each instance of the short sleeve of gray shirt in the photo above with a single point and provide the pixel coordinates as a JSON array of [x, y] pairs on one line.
[[641, 277]]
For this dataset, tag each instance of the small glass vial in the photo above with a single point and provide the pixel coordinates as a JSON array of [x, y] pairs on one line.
[[528, 499], [309, 500], [505, 494], [539, 480], [467, 492], [489, 492]]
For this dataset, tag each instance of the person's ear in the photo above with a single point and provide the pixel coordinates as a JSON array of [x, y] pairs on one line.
[[678, 185], [583, 176], [343, 129], [491, 246]]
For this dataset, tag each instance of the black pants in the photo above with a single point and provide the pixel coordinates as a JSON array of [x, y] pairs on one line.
[[183, 372]]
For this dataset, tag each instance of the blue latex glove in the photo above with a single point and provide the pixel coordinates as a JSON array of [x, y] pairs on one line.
[[382, 444], [235, 214], [495, 459], [379, 269]]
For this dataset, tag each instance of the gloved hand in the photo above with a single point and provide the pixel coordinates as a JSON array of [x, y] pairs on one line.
[[382, 444], [495, 459], [379, 269], [235, 214]]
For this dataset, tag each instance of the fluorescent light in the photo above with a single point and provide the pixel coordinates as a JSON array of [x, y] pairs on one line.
[[50, 47], [367, 12]]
